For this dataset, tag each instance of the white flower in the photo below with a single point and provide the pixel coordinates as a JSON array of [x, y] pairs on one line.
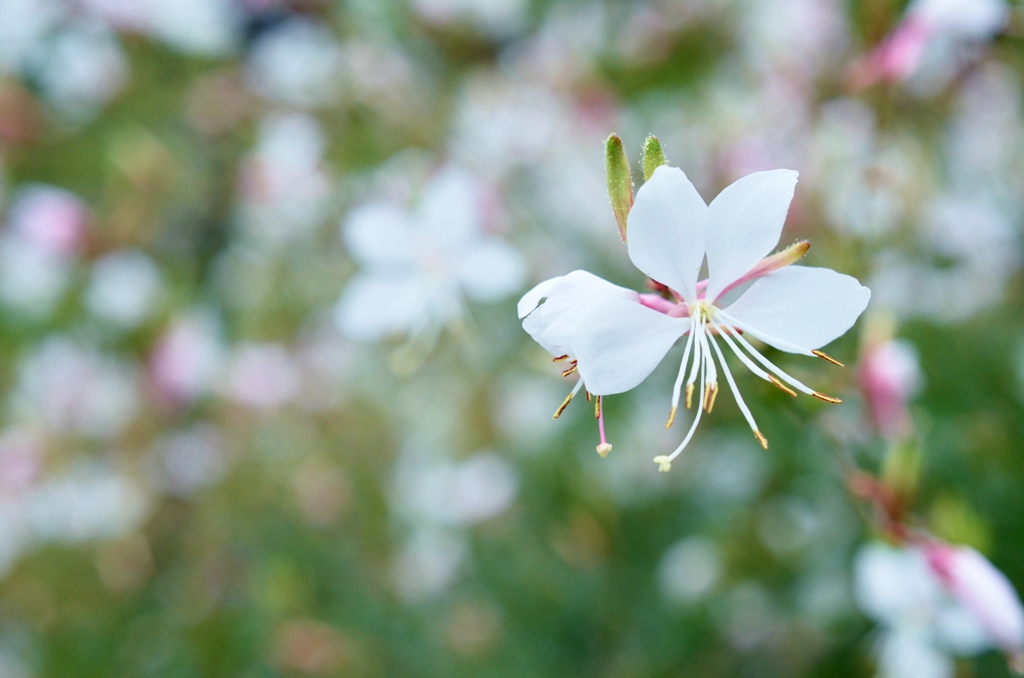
[[419, 263], [935, 601], [797, 309]]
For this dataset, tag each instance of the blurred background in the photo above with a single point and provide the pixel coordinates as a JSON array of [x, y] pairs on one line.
[[267, 407]]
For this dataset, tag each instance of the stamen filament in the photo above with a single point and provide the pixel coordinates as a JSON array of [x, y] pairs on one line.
[[604, 447], [665, 462], [736, 392], [767, 338], [568, 399], [698, 363], [767, 363], [679, 378]]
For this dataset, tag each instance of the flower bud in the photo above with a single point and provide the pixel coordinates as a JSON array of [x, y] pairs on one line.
[[889, 376], [620, 183], [654, 157]]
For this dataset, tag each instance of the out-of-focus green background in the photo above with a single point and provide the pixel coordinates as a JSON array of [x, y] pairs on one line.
[[204, 471]]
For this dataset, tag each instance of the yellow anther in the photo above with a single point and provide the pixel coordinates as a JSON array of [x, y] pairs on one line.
[[597, 407], [588, 396], [782, 386], [714, 395], [671, 417], [604, 448], [827, 399], [561, 408], [761, 439], [566, 373], [664, 464], [560, 358], [689, 395], [826, 356]]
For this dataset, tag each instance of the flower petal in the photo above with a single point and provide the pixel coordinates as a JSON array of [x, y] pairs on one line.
[[379, 234], [620, 342], [743, 225], [554, 323], [491, 271], [800, 308], [532, 298], [451, 209], [375, 306], [666, 231]]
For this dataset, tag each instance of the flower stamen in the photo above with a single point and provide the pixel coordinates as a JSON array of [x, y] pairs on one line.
[[827, 357], [736, 393], [827, 399], [781, 386], [568, 399], [566, 373], [604, 447]]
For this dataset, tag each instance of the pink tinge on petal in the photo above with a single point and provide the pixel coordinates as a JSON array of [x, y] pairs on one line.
[[895, 58], [656, 303], [982, 589]]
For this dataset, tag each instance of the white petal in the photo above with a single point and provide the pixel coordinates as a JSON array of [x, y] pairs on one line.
[[620, 342], [554, 323], [378, 234], [744, 224], [986, 591], [451, 208], [799, 307], [535, 295], [665, 230], [372, 307], [904, 654], [492, 271]]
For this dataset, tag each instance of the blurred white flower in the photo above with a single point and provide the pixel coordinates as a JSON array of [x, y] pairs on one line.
[[24, 24], [453, 494], [21, 457], [187, 358], [689, 569], [298, 62], [970, 248], [124, 288], [45, 228], [283, 182], [497, 18], [69, 387], [261, 376], [82, 68], [90, 502], [934, 602], [187, 461], [418, 264], [428, 563]]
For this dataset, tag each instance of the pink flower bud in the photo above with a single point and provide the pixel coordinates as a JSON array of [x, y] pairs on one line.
[[982, 589], [889, 376]]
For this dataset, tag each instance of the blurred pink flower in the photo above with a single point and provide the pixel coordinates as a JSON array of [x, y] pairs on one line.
[[186, 358], [899, 55], [50, 218]]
